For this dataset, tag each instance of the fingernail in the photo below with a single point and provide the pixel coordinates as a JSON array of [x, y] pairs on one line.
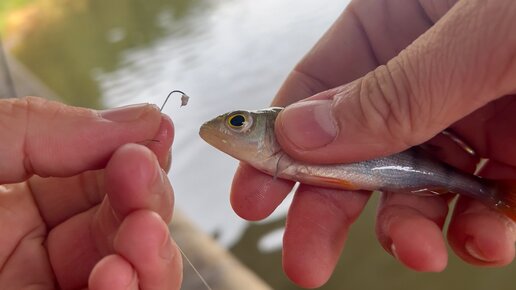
[[309, 125], [127, 113], [473, 250]]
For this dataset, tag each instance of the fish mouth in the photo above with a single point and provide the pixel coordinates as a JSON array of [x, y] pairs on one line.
[[210, 133], [204, 132]]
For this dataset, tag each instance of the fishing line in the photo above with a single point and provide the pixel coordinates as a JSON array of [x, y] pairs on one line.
[[184, 102], [195, 269]]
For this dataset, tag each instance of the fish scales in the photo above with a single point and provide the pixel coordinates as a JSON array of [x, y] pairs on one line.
[[249, 136]]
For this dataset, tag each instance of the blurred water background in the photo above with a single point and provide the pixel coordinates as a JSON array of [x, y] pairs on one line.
[[227, 55]]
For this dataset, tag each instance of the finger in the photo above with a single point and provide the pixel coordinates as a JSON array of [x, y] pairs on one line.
[[409, 227], [255, 195], [443, 148], [22, 239], [498, 170], [343, 54], [162, 142], [144, 241], [480, 235], [113, 273], [366, 35], [414, 96], [70, 242], [60, 198], [149, 189], [51, 139], [134, 181], [317, 228], [489, 130]]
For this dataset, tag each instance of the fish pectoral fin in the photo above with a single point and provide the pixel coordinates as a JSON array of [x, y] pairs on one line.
[[282, 164], [329, 182]]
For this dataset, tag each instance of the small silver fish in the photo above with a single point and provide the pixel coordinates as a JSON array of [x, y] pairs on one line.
[[249, 136]]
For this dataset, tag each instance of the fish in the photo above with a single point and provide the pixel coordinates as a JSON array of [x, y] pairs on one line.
[[248, 135]]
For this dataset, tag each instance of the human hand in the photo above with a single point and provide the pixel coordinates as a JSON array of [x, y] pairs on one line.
[[78, 208], [389, 75]]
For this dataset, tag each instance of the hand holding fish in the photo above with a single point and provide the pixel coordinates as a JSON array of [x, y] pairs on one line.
[[78, 208], [388, 76]]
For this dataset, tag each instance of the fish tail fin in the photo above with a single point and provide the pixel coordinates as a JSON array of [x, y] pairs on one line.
[[506, 198]]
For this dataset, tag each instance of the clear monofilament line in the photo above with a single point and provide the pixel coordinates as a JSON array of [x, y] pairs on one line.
[[184, 102], [195, 269]]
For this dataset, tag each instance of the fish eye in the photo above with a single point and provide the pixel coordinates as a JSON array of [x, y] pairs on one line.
[[237, 121]]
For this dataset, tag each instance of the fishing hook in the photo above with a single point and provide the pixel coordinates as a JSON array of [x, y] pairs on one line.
[[184, 99]]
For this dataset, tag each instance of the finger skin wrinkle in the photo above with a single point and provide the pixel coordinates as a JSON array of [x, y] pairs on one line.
[[378, 93], [332, 206], [388, 216], [415, 105], [332, 200], [367, 102], [315, 222], [406, 78], [362, 114], [93, 191], [27, 163], [394, 95], [15, 110], [391, 212], [17, 207], [31, 105], [36, 232]]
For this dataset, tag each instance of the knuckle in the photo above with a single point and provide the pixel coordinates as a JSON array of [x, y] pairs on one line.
[[30, 102], [14, 125], [388, 105]]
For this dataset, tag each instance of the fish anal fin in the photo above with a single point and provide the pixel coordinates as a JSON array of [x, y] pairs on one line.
[[329, 182]]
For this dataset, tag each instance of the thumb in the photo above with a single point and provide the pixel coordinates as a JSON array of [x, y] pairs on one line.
[[467, 59], [51, 139]]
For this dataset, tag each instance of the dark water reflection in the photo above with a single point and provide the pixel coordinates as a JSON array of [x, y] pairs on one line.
[[227, 55]]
